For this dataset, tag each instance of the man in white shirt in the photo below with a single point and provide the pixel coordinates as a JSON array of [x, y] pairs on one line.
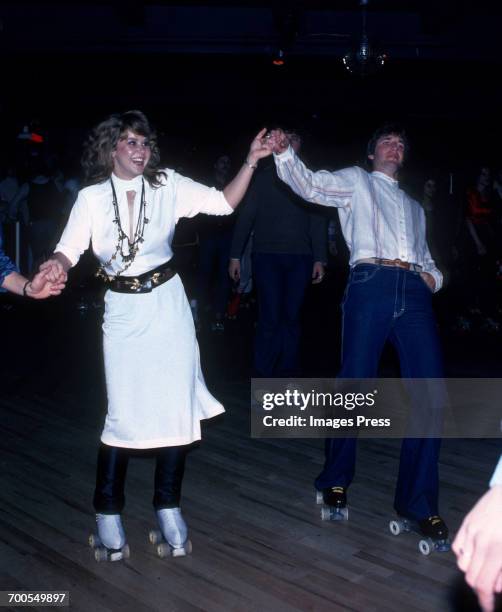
[[388, 297], [478, 544]]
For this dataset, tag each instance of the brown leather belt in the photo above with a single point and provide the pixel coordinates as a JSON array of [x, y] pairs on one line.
[[395, 263], [143, 283]]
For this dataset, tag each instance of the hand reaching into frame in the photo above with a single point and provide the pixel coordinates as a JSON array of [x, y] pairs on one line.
[[478, 546], [40, 287]]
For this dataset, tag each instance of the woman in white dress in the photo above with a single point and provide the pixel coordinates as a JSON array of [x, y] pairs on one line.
[[156, 391]]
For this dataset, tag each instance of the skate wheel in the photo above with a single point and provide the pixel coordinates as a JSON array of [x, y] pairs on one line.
[[100, 554], [319, 498], [425, 547], [163, 550], [94, 541], [395, 527], [126, 552], [188, 547], [155, 536]]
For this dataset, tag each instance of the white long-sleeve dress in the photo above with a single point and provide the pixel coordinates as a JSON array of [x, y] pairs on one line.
[[156, 390]]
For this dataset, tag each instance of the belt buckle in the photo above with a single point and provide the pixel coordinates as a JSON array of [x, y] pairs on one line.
[[142, 287], [388, 262], [135, 284], [399, 263]]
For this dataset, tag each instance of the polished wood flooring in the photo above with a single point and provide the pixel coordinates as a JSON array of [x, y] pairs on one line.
[[258, 541]]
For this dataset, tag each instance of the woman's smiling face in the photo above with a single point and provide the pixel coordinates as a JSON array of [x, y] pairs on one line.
[[131, 156]]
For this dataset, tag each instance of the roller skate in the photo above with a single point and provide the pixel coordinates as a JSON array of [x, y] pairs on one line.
[[109, 544], [171, 540], [433, 530], [334, 504]]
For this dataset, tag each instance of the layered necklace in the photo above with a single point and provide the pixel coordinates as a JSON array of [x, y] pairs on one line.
[[132, 245]]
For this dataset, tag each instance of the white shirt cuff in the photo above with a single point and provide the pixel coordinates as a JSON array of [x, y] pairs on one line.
[[497, 474], [438, 279], [73, 255], [285, 155]]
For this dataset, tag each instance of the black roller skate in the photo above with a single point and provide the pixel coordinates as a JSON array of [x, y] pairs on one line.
[[433, 529], [334, 504]]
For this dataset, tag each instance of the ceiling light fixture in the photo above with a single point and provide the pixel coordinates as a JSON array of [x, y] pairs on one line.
[[364, 60]]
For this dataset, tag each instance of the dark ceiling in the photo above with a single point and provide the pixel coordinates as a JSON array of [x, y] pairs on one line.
[[449, 29], [199, 66]]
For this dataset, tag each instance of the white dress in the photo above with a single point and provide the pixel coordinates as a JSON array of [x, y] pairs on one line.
[[156, 391]]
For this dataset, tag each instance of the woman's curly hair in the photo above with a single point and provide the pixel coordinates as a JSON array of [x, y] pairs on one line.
[[97, 160]]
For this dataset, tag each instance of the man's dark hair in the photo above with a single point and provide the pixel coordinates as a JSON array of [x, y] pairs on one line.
[[386, 130]]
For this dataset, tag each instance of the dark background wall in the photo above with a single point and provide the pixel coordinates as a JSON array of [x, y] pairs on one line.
[[204, 74]]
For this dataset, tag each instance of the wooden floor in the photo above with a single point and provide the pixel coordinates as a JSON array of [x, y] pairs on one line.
[[258, 541]]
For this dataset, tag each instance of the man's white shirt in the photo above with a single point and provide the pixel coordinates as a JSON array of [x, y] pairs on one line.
[[378, 219]]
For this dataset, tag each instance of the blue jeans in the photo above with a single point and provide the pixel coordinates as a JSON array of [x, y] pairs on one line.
[[385, 303], [281, 281]]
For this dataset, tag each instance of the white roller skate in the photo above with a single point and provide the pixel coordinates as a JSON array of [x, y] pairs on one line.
[[172, 538], [109, 543]]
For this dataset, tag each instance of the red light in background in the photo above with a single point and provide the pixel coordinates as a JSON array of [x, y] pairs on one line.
[[279, 58]]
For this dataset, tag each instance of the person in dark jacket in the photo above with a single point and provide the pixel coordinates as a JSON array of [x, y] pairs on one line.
[[289, 253]]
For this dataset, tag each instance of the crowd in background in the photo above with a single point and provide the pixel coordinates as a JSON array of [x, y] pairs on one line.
[[464, 229]]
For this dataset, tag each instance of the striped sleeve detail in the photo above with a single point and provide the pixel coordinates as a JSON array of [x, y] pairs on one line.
[[302, 184]]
